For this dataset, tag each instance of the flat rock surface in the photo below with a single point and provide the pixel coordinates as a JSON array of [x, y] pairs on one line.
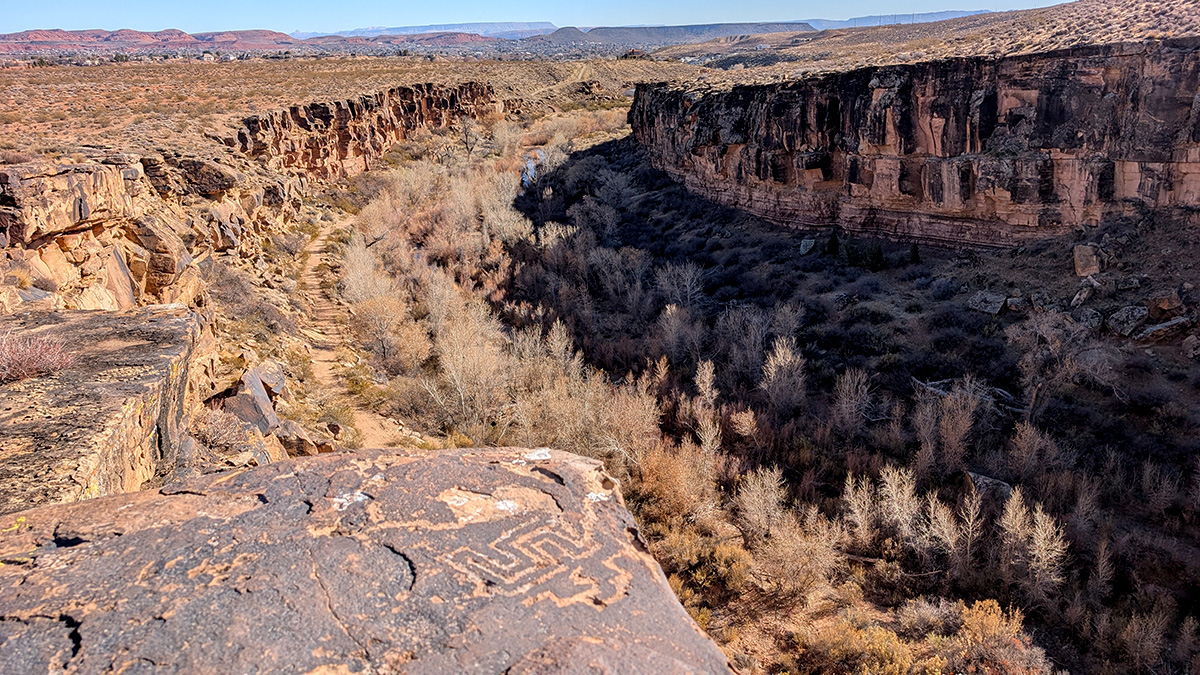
[[465, 561], [100, 426]]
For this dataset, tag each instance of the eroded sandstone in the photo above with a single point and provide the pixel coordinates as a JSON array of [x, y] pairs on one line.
[[480, 561], [108, 424], [976, 151], [335, 139]]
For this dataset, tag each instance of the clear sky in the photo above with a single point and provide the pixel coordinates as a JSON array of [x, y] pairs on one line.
[[196, 16]]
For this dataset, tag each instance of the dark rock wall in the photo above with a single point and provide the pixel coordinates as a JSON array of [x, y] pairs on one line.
[[974, 151]]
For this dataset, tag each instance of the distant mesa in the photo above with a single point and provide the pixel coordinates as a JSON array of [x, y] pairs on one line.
[[889, 19]]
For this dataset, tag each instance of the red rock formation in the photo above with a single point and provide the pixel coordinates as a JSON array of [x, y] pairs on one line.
[[337, 139], [972, 151], [120, 230], [463, 561]]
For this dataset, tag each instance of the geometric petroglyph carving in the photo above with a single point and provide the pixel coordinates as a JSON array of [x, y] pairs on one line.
[[539, 557]]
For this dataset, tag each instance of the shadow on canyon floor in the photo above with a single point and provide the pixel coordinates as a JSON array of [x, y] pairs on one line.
[[895, 310]]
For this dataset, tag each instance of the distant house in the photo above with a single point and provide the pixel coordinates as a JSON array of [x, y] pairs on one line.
[[208, 57]]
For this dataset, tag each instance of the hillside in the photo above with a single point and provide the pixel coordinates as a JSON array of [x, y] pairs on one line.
[[1002, 33], [486, 29]]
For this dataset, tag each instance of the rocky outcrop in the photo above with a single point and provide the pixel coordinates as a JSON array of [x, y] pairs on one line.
[[111, 230], [117, 231], [480, 561], [110, 423], [338, 139], [976, 151]]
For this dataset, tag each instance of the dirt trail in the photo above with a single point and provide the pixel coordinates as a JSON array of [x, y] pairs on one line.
[[324, 330]]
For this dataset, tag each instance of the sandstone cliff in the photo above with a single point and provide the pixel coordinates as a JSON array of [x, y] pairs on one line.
[[975, 151], [111, 230], [480, 561], [338, 139]]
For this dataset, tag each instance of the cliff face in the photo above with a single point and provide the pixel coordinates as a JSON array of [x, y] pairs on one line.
[[479, 561], [109, 423], [116, 230], [970, 151], [337, 139]]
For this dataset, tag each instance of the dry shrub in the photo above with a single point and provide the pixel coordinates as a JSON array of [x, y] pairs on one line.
[[900, 508], [25, 357], [16, 157], [844, 647], [956, 420], [471, 377], [851, 398], [921, 617], [783, 379], [799, 555], [991, 641], [680, 483], [220, 430], [759, 503], [1029, 451], [362, 279]]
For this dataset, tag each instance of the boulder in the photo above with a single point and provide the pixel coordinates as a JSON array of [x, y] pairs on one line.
[[1087, 261], [1191, 346], [806, 246], [119, 281], [1164, 330], [1128, 319], [987, 302], [252, 405], [1090, 319], [296, 440], [1017, 304], [167, 255], [1166, 303], [208, 178], [476, 561]]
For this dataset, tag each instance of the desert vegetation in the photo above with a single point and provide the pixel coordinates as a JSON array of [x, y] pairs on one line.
[[142, 106], [840, 468], [23, 357]]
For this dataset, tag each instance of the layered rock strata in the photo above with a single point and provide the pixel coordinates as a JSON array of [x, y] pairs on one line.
[[330, 140], [480, 561], [975, 151], [111, 230], [108, 424]]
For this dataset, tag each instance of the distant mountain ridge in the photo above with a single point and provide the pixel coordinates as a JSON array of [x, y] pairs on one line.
[[486, 29]]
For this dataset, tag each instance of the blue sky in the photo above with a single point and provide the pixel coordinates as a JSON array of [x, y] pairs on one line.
[[326, 15]]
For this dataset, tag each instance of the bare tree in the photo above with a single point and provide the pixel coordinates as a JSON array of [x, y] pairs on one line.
[[783, 379], [469, 134], [851, 398]]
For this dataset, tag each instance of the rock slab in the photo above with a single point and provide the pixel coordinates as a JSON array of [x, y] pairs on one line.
[[476, 561], [109, 423]]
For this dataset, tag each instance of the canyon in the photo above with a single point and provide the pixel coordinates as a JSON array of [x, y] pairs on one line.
[[975, 151], [111, 252], [205, 281]]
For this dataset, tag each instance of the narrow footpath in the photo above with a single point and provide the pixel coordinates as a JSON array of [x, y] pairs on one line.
[[324, 329]]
